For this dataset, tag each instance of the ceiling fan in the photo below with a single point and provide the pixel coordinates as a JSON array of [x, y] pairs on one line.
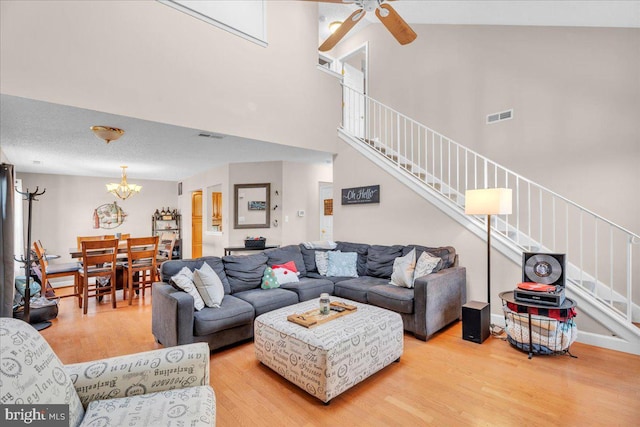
[[385, 13]]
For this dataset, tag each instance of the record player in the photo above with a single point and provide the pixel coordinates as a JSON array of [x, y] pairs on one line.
[[543, 279]]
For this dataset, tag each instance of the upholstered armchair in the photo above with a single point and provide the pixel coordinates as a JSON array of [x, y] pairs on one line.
[[165, 387]]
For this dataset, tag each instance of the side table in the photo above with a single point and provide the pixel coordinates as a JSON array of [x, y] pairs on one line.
[[553, 334]]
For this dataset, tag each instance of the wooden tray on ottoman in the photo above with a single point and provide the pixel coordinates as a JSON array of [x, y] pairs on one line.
[[313, 317]]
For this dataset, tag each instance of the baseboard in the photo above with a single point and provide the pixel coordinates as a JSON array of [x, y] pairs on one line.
[[606, 341]]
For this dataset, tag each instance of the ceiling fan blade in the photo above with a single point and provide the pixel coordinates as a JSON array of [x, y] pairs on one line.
[[395, 24], [342, 30]]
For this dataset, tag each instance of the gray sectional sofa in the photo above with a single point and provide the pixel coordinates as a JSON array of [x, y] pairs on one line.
[[435, 301]]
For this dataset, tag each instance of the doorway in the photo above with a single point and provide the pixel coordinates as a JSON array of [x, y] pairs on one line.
[[326, 211], [196, 224], [354, 68]]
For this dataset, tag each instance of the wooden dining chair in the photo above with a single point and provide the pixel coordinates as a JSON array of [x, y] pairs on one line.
[[98, 261], [141, 267], [166, 245], [80, 239], [55, 270]]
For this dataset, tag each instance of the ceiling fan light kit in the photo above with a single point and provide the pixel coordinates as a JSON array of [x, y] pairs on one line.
[[392, 21]]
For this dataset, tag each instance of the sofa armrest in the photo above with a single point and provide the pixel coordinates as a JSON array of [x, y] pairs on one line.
[[438, 298], [172, 314], [141, 373]]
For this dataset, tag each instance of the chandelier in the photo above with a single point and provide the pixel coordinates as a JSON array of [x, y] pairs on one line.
[[123, 190]]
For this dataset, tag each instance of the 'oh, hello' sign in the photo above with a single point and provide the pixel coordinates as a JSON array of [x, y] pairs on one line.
[[361, 195]]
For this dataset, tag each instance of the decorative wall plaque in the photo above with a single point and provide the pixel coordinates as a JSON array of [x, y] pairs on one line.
[[361, 195], [108, 216]]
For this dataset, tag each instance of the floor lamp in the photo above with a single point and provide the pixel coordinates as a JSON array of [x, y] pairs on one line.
[[488, 201]]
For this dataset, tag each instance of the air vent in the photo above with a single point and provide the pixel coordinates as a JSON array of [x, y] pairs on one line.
[[498, 117], [211, 135]]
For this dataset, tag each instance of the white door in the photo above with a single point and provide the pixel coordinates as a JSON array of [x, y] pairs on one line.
[[326, 211], [353, 111]]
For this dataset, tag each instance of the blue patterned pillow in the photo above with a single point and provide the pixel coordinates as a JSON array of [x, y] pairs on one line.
[[342, 264]]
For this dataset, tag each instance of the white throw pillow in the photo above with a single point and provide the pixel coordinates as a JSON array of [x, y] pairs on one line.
[[322, 262], [184, 280], [209, 286], [403, 267], [284, 275], [425, 265]]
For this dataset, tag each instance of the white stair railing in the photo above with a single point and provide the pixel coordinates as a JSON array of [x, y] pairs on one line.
[[599, 253]]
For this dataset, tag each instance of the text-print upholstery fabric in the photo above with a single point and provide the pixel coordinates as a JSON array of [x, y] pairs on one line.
[[328, 359], [166, 387]]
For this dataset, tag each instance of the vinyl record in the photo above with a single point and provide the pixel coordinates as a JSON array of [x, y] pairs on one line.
[[543, 268]]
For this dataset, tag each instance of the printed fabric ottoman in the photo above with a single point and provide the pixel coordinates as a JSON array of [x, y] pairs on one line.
[[329, 358]]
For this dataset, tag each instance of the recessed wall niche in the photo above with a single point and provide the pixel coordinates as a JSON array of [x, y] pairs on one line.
[[214, 208]]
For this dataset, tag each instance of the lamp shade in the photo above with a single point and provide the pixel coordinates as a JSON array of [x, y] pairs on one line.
[[488, 201]]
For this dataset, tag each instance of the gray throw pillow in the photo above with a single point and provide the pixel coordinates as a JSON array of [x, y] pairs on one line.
[[322, 262]]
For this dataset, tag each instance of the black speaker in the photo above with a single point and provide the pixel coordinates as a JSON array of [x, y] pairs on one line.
[[476, 320]]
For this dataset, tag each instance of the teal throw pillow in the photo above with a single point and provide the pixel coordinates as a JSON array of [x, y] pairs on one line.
[[269, 280]]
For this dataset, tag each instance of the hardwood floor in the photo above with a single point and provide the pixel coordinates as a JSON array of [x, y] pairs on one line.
[[444, 382]]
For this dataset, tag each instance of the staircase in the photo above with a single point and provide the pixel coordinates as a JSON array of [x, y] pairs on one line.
[[599, 254]]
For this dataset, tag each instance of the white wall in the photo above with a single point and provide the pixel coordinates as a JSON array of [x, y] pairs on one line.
[[146, 60], [301, 191], [575, 94], [66, 209], [297, 186], [403, 218]]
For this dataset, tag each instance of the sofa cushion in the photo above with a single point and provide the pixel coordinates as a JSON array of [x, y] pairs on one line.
[[309, 258], [317, 275], [380, 260], [172, 267], [342, 264], [284, 254], [267, 300], [155, 409], [308, 288], [391, 297], [233, 312], [447, 253], [361, 249], [356, 289], [244, 271]]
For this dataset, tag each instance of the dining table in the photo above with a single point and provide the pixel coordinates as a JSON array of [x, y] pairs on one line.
[[122, 250], [122, 256]]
